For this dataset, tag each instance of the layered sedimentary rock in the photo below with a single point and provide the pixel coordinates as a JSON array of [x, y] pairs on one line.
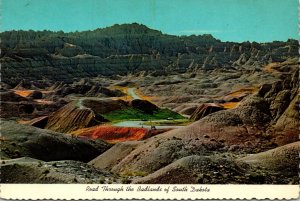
[[204, 110], [73, 117], [27, 104], [254, 169], [114, 134], [123, 49], [27, 141], [220, 84], [253, 126], [28, 170]]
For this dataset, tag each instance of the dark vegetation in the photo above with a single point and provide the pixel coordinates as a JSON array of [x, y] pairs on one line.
[[135, 114]]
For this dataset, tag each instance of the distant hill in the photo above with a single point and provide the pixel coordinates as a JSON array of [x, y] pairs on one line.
[[126, 48]]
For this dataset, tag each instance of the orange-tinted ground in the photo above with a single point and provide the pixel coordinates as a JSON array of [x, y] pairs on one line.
[[124, 90], [270, 67], [275, 66], [114, 134], [128, 97], [27, 92], [24, 121], [237, 94], [23, 93], [230, 105], [242, 92], [144, 97]]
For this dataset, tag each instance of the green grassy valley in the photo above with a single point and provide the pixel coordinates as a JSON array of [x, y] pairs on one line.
[[135, 114]]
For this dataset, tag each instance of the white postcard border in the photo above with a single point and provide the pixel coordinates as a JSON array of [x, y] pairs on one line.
[[80, 191]]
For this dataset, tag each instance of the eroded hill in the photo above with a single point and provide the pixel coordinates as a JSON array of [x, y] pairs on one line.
[[128, 104], [127, 48]]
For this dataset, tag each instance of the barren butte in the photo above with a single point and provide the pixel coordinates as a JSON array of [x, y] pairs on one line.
[[27, 141], [15, 106], [27, 171], [10, 96], [72, 117], [114, 155], [186, 109], [242, 97], [223, 169], [247, 128], [102, 106], [39, 122], [204, 110], [284, 158]]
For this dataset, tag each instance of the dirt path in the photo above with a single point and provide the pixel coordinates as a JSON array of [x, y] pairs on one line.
[[131, 92], [141, 124]]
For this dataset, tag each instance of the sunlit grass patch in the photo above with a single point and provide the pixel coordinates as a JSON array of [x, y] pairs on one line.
[[135, 114]]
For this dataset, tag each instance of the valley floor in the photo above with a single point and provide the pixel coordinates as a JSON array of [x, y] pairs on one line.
[[224, 126]]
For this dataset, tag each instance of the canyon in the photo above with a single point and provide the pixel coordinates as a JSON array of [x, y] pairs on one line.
[[129, 104]]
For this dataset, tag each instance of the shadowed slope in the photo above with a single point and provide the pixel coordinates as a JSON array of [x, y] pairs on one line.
[[26, 170], [247, 127], [204, 110], [284, 158], [276, 166], [39, 122], [22, 140], [114, 155], [71, 117]]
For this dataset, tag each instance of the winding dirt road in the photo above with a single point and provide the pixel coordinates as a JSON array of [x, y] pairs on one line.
[[131, 92]]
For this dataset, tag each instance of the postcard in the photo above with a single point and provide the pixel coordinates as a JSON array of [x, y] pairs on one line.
[[152, 99]]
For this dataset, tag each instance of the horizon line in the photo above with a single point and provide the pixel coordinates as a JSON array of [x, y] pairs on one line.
[[188, 32]]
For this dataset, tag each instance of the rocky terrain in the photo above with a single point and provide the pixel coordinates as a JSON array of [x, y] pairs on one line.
[[124, 49], [27, 141], [28, 170], [133, 105]]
